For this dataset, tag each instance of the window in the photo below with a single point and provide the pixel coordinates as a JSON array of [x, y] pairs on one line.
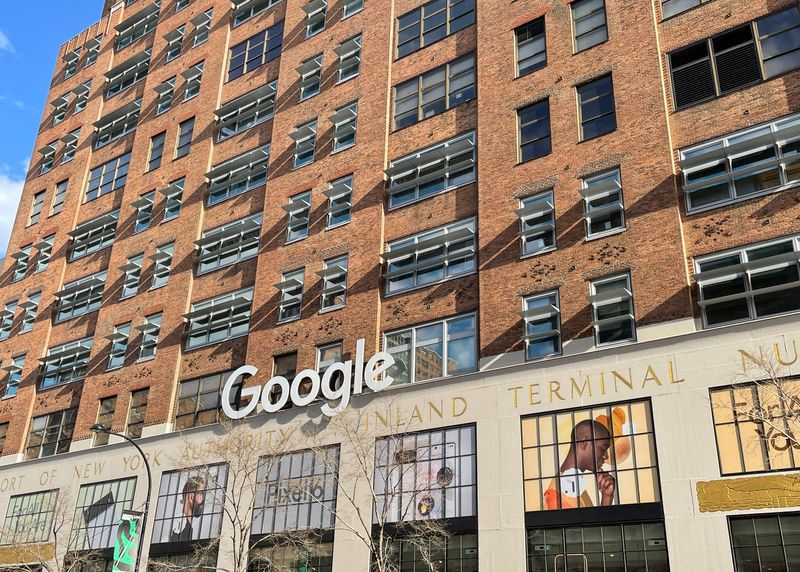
[[749, 283], [350, 7], [749, 54], [127, 73], [58, 197], [105, 417], [349, 53], [291, 295], [117, 124], [162, 265], [181, 4], [531, 47], [431, 171], [14, 378], [238, 175], [430, 257], [228, 244], [133, 273], [459, 552], [22, 260], [537, 218], [80, 296], [315, 16], [140, 24], [334, 282], [174, 43], [255, 51], [222, 318], [640, 546], [30, 307], [541, 314], [434, 92], [431, 351], [193, 77], [432, 22], [767, 542], [202, 26], [144, 211], [589, 24], [317, 557], [137, 411], [612, 310], [165, 93], [310, 77], [327, 355], [173, 199], [70, 141], [285, 365], [184, 143], [344, 122], [603, 210], [620, 440], [92, 50], [49, 435], [672, 7], [202, 488], [71, 63], [199, 402], [3, 433], [596, 107], [426, 475], [534, 131], [45, 248], [151, 329], [738, 166], [7, 319], [36, 208], [29, 517], [246, 9], [48, 153], [305, 142], [119, 346], [108, 177], [81, 97], [340, 196], [275, 512], [156, 151], [252, 108], [93, 235], [98, 514], [60, 106]]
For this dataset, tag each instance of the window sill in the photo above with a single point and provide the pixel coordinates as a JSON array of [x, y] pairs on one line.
[[415, 288], [115, 368], [145, 359], [525, 256], [295, 240], [159, 287], [576, 52], [296, 167], [341, 81], [614, 344], [605, 234], [6, 397], [598, 136], [353, 14], [287, 321], [339, 225], [332, 308], [342, 149]]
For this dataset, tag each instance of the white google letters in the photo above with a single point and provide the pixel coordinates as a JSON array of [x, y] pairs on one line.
[[373, 373]]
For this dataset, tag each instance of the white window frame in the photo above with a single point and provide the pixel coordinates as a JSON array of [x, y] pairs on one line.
[[238, 175], [345, 123], [139, 25], [316, 16], [30, 308], [70, 141], [132, 276], [226, 312], [173, 199], [45, 248], [305, 141], [575, 18], [151, 330], [334, 283], [162, 265], [66, 363], [232, 242], [80, 297], [246, 111], [194, 80], [603, 199], [340, 198], [298, 216], [92, 50], [119, 346], [81, 97], [290, 288], [310, 76], [349, 53], [537, 223], [37, 205], [22, 260], [117, 124], [97, 233], [144, 211], [617, 296], [127, 74], [174, 43], [245, 10], [541, 309], [14, 377], [48, 153], [61, 104], [7, 319], [166, 93], [202, 27], [71, 63], [351, 7]]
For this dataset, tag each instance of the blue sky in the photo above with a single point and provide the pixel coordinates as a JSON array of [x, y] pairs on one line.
[[30, 35]]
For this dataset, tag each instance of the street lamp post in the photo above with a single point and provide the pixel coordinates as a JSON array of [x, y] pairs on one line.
[[99, 428]]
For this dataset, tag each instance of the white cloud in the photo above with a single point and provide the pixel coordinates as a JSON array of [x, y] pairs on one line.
[[5, 44], [10, 191]]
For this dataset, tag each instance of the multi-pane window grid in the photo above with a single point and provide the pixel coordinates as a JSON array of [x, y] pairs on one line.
[[596, 107], [350, 7], [534, 131], [81, 97], [310, 77], [70, 145], [117, 124], [127, 74], [7, 319], [71, 63], [202, 27], [603, 208], [151, 330], [166, 92], [340, 197], [742, 165], [194, 79], [137, 410], [30, 307], [199, 401], [246, 111], [22, 261], [50, 434], [765, 542], [105, 417], [537, 219], [255, 51], [92, 51], [156, 151], [61, 104], [430, 257], [80, 297], [430, 474], [432, 22], [132, 274], [541, 315], [531, 47], [98, 510], [305, 143], [48, 153], [14, 376], [93, 235], [589, 23], [434, 350], [119, 346], [434, 92], [251, 9], [612, 310], [144, 211], [173, 199], [29, 518], [344, 122], [349, 53], [748, 54], [265, 558], [334, 282], [291, 295], [753, 282], [36, 208], [174, 43], [58, 197], [222, 318], [238, 175], [316, 13], [140, 24], [228, 244], [108, 177], [431, 171], [184, 142], [66, 363], [162, 265]]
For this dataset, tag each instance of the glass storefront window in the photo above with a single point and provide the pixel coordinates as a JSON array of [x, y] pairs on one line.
[[458, 553], [766, 543], [97, 513], [29, 518], [291, 559]]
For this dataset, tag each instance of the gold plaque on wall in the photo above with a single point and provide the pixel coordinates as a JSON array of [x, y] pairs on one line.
[[768, 491]]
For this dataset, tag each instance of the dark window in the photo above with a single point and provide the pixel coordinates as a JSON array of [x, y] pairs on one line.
[[458, 553], [107, 177], [431, 22], [766, 542], [105, 417], [255, 51], [291, 558], [531, 47], [199, 401], [156, 150], [589, 23], [779, 35], [137, 413], [596, 103], [50, 434], [285, 366], [184, 144], [534, 131], [3, 433]]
